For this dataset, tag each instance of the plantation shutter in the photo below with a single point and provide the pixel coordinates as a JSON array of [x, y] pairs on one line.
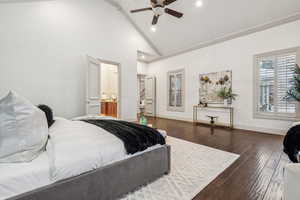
[[285, 73], [267, 84]]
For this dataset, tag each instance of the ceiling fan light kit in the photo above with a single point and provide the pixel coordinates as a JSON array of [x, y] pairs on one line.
[[159, 8], [199, 3], [153, 28]]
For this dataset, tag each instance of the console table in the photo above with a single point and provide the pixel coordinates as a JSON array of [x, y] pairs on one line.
[[197, 108]]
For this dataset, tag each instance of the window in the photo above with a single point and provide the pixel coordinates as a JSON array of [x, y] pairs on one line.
[[176, 90], [274, 74]]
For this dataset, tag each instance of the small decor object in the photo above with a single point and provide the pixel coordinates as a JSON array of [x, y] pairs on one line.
[[226, 95], [143, 119], [203, 102], [211, 83], [212, 119], [114, 97]]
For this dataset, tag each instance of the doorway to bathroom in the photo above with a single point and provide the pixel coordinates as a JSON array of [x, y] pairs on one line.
[[109, 89], [103, 88]]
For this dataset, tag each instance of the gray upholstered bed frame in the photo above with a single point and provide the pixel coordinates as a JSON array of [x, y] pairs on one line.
[[109, 182]]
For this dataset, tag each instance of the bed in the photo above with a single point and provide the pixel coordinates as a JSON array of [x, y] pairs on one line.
[[82, 162]]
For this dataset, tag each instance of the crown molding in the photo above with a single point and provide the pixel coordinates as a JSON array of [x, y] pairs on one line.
[[231, 36], [126, 15]]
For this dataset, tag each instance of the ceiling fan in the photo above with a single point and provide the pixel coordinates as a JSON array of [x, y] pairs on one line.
[[159, 8]]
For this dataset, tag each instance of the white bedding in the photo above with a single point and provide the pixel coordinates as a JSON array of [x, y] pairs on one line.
[[22, 177], [74, 148], [79, 147]]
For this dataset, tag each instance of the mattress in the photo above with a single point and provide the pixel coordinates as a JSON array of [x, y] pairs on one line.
[[75, 147]]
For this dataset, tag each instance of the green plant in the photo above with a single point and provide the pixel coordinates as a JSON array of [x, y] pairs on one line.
[[294, 92], [225, 93]]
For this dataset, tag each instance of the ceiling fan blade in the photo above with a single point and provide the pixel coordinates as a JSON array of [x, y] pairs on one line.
[[154, 1], [173, 13], [140, 10], [155, 19], [168, 2]]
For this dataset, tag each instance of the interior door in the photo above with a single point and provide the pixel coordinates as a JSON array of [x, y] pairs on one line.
[[150, 96], [93, 89]]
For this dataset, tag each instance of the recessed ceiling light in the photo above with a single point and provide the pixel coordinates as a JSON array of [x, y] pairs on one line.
[[199, 3], [153, 28]]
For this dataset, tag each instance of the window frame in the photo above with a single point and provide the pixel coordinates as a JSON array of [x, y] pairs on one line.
[[256, 88], [176, 108]]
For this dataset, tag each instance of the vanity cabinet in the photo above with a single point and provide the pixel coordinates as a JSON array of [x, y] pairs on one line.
[[109, 109]]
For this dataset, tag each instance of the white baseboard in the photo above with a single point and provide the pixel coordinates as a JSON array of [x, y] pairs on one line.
[[237, 126], [186, 119], [261, 129]]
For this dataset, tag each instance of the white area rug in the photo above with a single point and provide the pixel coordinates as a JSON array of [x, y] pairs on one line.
[[193, 167]]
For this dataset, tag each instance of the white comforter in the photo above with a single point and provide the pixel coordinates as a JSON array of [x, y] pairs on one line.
[[22, 177], [74, 148]]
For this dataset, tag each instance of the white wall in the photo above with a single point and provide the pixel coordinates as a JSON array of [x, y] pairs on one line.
[[236, 55], [44, 46], [142, 67]]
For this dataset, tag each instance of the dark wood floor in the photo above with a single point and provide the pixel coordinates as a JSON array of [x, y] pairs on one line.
[[257, 174]]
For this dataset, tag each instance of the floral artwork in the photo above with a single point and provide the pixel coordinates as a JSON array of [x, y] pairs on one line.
[[212, 83]]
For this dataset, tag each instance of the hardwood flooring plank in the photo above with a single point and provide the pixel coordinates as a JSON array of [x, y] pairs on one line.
[[275, 188], [275, 191], [255, 175]]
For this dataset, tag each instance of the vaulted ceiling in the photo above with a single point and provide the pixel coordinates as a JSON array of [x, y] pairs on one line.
[[215, 20]]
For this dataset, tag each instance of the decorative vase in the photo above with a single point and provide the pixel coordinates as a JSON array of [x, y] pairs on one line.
[[143, 120], [229, 101], [225, 102]]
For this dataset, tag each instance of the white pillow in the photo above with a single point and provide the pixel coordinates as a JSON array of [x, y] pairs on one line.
[[23, 129]]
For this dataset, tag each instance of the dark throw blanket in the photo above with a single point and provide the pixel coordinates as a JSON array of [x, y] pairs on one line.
[[291, 143], [136, 137]]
